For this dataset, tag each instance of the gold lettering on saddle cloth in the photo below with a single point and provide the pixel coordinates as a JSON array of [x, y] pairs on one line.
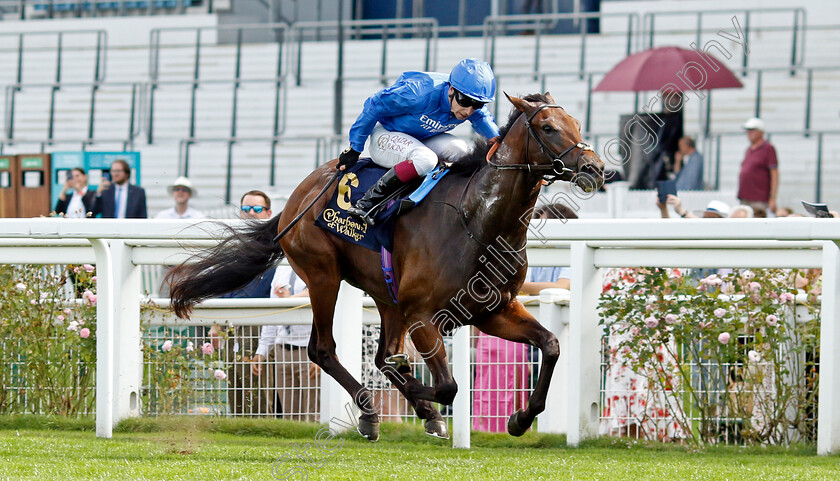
[[343, 224], [343, 198]]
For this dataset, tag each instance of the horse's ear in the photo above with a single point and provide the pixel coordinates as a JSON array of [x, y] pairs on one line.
[[522, 105], [550, 98]]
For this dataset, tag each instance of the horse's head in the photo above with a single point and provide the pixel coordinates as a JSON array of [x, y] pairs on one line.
[[553, 144]]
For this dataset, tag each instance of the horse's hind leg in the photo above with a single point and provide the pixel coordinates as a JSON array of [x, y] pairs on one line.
[[515, 323], [392, 361], [323, 295]]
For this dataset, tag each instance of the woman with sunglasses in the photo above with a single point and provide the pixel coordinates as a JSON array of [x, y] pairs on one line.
[[407, 123]]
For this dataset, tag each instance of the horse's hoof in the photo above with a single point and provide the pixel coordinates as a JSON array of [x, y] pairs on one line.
[[368, 430], [515, 428], [437, 428]]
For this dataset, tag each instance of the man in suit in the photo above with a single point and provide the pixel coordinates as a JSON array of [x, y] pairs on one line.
[[118, 199], [75, 200]]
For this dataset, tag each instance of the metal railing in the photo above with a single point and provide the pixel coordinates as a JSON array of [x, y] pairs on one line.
[[715, 155], [538, 24], [798, 29], [277, 33], [12, 91], [425, 28], [100, 49], [278, 107], [326, 149], [36, 9]]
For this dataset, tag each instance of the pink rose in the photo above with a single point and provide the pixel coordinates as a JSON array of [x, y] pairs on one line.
[[755, 286], [651, 322], [76, 270], [207, 348], [84, 333], [635, 331], [670, 318], [683, 311], [219, 374], [772, 320], [60, 317], [88, 268], [786, 297], [93, 278], [704, 325], [33, 302], [73, 326], [67, 311], [719, 312], [723, 338], [190, 346], [167, 346]]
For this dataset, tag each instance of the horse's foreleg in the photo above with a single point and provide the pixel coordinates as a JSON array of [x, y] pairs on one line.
[[515, 323], [321, 350], [391, 360]]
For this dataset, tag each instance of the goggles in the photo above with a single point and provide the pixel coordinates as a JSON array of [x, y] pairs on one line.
[[465, 101]]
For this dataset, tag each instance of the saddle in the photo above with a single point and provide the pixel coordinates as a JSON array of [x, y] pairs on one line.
[[353, 185]]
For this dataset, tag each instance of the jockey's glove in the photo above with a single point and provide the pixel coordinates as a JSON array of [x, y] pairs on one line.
[[348, 158]]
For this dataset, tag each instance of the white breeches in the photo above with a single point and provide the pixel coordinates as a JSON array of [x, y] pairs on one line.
[[388, 149]]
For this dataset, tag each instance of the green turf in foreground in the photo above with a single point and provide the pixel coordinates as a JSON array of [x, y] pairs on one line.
[[213, 449]]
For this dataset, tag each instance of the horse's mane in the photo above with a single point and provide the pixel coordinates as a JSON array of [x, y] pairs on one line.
[[476, 159]]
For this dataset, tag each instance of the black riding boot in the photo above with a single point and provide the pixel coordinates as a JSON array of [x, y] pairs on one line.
[[385, 186]]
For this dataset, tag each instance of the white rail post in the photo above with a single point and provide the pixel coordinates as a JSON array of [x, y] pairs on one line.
[[104, 338], [584, 346], [128, 365], [555, 318], [347, 331], [828, 432], [461, 421]]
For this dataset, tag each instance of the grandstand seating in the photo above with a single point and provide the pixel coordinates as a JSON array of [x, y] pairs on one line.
[[162, 104]]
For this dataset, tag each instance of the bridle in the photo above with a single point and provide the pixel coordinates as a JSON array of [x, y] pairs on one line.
[[557, 168]]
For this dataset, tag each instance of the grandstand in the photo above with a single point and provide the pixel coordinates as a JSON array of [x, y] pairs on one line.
[[254, 107]]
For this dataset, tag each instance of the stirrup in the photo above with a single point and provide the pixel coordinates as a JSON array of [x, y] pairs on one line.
[[366, 217], [398, 361]]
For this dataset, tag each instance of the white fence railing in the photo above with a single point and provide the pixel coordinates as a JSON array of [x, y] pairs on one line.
[[120, 247]]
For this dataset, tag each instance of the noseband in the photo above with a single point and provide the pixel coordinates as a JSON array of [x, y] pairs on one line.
[[557, 167]]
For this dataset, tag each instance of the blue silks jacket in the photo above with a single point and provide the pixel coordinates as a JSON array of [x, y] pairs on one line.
[[418, 105]]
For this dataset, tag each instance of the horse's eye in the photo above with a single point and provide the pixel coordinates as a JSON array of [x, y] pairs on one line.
[[548, 129]]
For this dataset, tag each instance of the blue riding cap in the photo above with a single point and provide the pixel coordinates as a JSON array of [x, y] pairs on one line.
[[475, 79]]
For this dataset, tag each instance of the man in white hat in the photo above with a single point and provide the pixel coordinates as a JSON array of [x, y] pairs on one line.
[[181, 190], [759, 179]]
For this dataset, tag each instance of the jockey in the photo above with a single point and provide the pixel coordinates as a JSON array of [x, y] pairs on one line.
[[407, 121]]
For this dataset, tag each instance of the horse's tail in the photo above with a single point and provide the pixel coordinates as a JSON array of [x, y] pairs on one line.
[[237, 260]]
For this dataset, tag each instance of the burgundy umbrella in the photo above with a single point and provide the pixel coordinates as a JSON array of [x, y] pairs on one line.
[[677, 68]]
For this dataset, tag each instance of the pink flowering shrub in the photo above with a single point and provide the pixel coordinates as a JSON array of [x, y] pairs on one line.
[[180, 373], [741, 357], [49, 360]]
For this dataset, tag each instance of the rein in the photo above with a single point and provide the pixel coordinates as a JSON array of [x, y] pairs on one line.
[[557, 167], [304, 211]]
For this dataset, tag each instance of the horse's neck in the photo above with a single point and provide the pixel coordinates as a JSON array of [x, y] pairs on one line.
[[497, 200]]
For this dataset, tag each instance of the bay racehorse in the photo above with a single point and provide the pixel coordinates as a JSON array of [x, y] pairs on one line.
[[459, 259]]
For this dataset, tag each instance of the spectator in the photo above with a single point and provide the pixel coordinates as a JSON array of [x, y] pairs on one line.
[[248, 394], [295, 376], [759, 179], [742, 212], [549, 277], [688, 166], [117, 199], [79, 204], [784, 211], [715, 210], [182, 191]]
